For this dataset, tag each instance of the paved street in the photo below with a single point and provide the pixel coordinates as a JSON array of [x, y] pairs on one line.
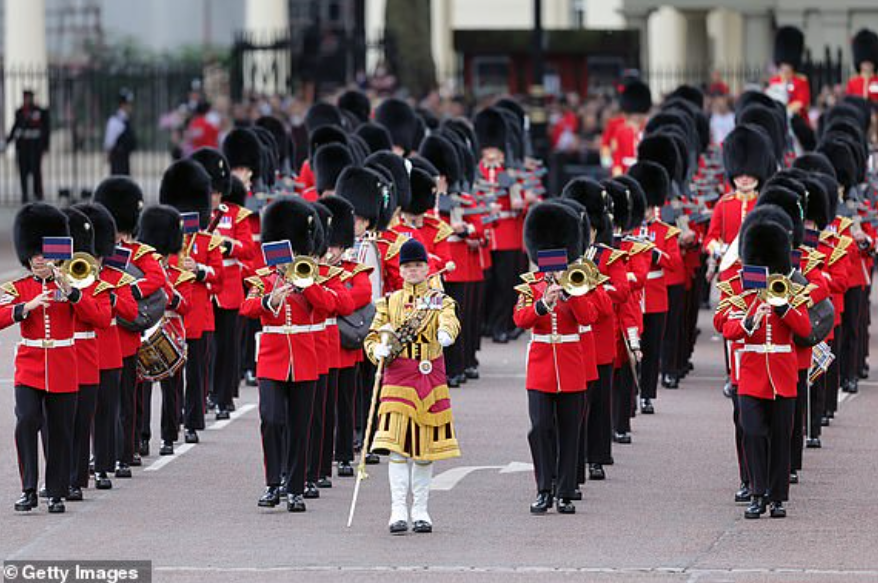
[[665, 513]]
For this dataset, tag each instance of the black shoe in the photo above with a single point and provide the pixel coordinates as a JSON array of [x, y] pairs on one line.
[[813, 443], [565, 506], [501, 338], [345, 470], [270, 498], [223, 414], [776, 510], [863, 373], [422, 526], [250, 379], [542, 504], [399, 527], [461, 378], [311, 491], [670, 381], [167, 448], [453, 382], [284, 489], [743, 494], [74, 494], [43, 492], [144, 447], [471, 372], [622, 438], [231, 408], [211, 404], [191, 436], [372, 459], [122, 470], [135, 460], [596, 472], [295, 503], [103, 482], [577, 494], [756, 508], [824, 421], [646, 407], [830, 414], [515, 333], [324, 482], [729, 390], [854, 386], [56, 506], [794, 477], [27, 501]]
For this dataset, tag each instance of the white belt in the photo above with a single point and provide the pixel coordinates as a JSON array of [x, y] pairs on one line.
[[584, 329], [230, 262], [555, 338], [47, 343], [84, 335], [331, 322], [113, 322], [507, 214], [767, 348], [455, 239], [655, 274], [292, 329]]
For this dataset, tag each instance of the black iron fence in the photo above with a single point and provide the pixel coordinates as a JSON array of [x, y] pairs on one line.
[[79, 102]]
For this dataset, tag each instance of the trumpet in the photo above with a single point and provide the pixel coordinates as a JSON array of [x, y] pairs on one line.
[[579, 278], [777, 290], [302, 272], [81, 270]]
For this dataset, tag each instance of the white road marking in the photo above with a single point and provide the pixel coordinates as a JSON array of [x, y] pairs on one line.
[[450, 478], [235, 414], [514, 467]]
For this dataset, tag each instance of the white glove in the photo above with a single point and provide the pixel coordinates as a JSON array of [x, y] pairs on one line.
[[381, 351], [444, 338]]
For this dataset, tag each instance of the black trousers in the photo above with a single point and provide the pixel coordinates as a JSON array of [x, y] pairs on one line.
[[768, 427], [284, 412], [366, 372], [599, 421], [455, 355], [800, 418], [481, 320], [501, 298], [651, 343], [865, 323], [740, 453], [30, 164], [832, 375], [32, 407], [849, 353], [80, 444], [126, 435], [555, 420], [670, 344], [172, 396], [106, 420], [470, 323], [344, 422], [327, 441], [143, 418], [315, 435], [227, 361], [251, 328], [196, 376], [623, 398], [816, 405]]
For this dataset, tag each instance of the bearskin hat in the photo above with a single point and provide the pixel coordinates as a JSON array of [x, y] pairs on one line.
[[789, 180], [789, 42], [511, 105], [637, 209], [104, 227], [400, 120], [359, 149], [322, 114], [698, 117], [766, 119], [161, 227], [550, 225], [791, 204], [398, 168], [243, 150], [621, 196], [291, 219], [636, 97], [653, 180], [34, 221], [123, 198], [357, 103], [584, 221], [81, 230], [842, 158], [342, 234], [237, 193], [747, 151], [861, 104], [491, 129], [864, 47], [442, 154], [366, 190], [765, 240], [322, 235], [423, 196], [814, 162], [329, 161], [186, 187], [325, 135], [690, 93], [817, 204], [589, 193], [281, 137], [376, 136], [662, 150], [830, 185], [217, 167]]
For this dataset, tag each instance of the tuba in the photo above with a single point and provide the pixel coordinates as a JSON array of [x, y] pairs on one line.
[[302, 272], [81, 270], [777, 290]]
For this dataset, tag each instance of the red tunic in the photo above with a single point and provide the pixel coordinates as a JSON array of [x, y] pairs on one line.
[[810, 265], [798, 91], [866, 87], [507, 231], [207, 254], [146, 259], [359, 289], [389, 243], [666, 256], [124, 306], [85, 332], [233, 227], [726, 220], [611, 264]]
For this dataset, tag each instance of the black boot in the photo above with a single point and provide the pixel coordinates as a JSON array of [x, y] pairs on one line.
[[794, 477], [813, 443], [270, 498], [74, 494], [577, 494], [453, 382], [27, 501], [103, 482], [191, 436], [399, 527], [756, 508], [56, 506], [311, 491], [542, 504], [646, 407], [471, 372], [422, 526], [372, 459], [122, 470], [167, 448], [565, 506], [222, 414], [324, 482], [345, 470], [596, 472], [777, 510], [295, 503], [144, 447], [622, 438], [743, 493]]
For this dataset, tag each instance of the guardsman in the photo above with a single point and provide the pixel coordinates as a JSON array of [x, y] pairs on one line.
[[46, 307], [124, 199], [415, 422], [556, 386], [186, 186], [329, 161], [622, 134], [789, 43], [864, 47], [287, 359], [31, 133]]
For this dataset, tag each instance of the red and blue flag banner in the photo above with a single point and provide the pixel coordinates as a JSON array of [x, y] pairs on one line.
[[796, 257], [754, 277], [812, 238], [120, 258], [58, 248], [552, 260], [191, 223], [277, 253]]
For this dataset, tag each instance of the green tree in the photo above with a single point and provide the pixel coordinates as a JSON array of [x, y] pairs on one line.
[[409, 48]]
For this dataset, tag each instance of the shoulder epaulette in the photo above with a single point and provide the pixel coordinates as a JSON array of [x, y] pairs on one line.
[[724, 287], [263, 271], [332, 272], [255, 281], [638, 247], [9, 288], [815, 259], [184, 277], [215, 241], [125, 279], [443, 231], [529, 277], [672, 232], [844, 223], [143, 249], [801, 76], [102, 286], [840, 249], [243, 213], [525, 290], [615, 255]]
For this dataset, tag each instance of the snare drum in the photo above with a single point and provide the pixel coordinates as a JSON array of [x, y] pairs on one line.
[[162, 351]]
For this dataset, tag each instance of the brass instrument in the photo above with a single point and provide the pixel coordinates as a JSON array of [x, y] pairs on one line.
[[579, 278], [81, 270], [777, 290], [302, 272]]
